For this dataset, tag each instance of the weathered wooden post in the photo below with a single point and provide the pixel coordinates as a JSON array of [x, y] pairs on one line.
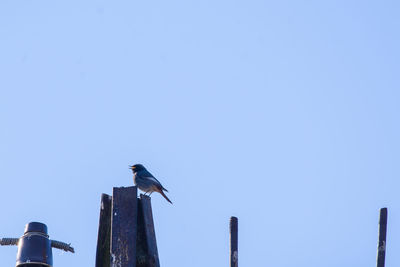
[[233, 241], [151, 243], [126, 235], [380, 261], [124, 227], [104, 235]]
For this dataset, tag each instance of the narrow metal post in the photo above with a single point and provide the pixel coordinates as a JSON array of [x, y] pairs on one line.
[[233, 242], [104, 234], [124, 226], [382, 238]]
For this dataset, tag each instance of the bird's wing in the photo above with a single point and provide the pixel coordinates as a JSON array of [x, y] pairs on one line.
[[146, 174], [153, 179], [149, 176]]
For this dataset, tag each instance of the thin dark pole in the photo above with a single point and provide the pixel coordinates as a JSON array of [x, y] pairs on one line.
[[382, 238], [104, 234], [233, 228]]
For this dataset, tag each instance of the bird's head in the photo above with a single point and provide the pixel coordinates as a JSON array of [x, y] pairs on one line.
[[137, 167]]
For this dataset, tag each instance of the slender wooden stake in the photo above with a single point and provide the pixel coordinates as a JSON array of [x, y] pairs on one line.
[[234, 241], [382, 238], [152, 252], [124, 227], [103, 238]]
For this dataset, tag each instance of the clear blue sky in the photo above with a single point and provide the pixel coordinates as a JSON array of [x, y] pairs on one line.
[[283, 113]]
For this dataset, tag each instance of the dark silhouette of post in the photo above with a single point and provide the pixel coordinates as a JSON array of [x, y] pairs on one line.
[[124, 226], [104, 235], [126, 236], [151, 243], [233, 227], [382, 238]]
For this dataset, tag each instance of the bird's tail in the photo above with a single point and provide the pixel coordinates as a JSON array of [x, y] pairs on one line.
[[162, 193]]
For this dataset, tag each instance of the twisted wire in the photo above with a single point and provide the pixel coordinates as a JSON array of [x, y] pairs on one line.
[[8, 241], [62, 245], [54, 243]]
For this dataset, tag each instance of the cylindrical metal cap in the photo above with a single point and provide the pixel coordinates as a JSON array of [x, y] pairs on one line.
[[36, 227]]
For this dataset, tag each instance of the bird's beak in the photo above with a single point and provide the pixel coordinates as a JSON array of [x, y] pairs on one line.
[[132, 167]]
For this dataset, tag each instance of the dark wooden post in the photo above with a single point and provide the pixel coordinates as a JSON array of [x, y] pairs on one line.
[[382, 238], [152, 252], [141, 243], [124, 226], [103, 238], [234, 241], [126, 236]]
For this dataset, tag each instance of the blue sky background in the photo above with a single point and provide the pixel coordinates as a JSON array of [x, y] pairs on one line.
[[283, 113]]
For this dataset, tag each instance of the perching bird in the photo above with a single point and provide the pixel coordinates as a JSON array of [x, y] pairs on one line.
[[146, 181]]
